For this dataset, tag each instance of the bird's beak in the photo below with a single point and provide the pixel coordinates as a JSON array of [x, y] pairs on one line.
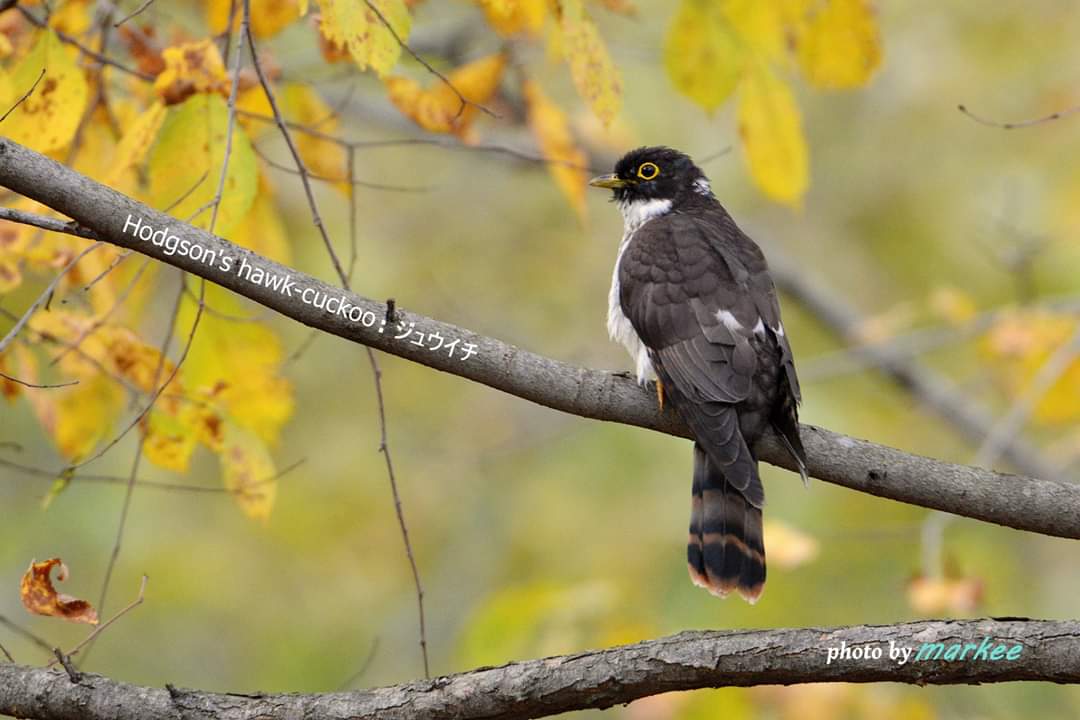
[[608, 181]]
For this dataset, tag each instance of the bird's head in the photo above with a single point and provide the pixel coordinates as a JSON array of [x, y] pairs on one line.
[[654, 174]]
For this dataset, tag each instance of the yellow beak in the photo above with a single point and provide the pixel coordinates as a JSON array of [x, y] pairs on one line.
[[608, 181]]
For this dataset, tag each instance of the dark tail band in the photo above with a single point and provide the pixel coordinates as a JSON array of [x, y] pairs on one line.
[[726, 550]]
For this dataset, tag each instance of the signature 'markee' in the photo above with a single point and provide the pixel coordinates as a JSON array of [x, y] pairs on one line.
[[693, 302]]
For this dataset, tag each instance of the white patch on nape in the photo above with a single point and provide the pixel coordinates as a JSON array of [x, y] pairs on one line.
[[638, 212], [730, 321], [702, 187]]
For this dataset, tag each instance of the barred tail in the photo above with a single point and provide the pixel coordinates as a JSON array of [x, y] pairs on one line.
[[726, 550]]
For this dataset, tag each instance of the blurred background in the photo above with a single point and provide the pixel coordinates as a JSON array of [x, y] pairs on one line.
[[537, 533]]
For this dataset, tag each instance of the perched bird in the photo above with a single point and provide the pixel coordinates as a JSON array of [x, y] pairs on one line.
[[692, 300]]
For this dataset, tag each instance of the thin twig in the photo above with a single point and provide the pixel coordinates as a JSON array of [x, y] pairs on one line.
[[1022, 123], [427, 66], [44, 296], [32, 637], [104, 318], [105, 625], [352, 181], [133, 13], [45, 223], [372, 360], [360, 672], [26, 94], [150, 484], [6, 653], [69, 40], [35, 385]]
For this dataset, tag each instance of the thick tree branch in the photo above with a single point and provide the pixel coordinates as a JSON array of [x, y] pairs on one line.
[[1048, 651], [929, 388], [1045, 506]]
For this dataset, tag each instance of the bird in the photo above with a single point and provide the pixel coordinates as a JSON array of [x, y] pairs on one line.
[[694, 304]]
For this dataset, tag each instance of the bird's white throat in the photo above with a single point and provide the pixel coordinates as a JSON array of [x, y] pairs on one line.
[[638, 212]]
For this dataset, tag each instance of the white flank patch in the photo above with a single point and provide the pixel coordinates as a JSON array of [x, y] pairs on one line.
[[779, 330], [730, 321], [759, 329], [635, 214]]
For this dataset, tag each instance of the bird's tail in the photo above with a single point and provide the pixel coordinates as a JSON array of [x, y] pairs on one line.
[[726, 550]]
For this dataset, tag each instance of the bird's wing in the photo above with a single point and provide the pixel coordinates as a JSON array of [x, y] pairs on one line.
[[692, 305]]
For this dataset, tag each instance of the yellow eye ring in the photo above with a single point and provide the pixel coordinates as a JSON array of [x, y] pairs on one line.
[[648, 171]]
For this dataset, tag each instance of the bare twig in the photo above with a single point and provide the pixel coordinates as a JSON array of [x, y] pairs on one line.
[[17, 381], [1022, 123], [89, 52], [150, 484], [105, 625], [372, 360], [465, 102], [25, 95], [45, 223], [133, 13], [19, 630], [44, 297]]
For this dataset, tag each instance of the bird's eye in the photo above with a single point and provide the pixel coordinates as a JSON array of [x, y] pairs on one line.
[[647, 171]]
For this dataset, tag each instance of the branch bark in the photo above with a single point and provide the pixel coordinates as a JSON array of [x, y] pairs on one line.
[[1049, 651], [1045, 506]]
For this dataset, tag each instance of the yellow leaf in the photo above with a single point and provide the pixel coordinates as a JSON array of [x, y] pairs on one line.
[[788, 548], [254, 100], [40, 597], [72, 17], [303, 7], [438, 108], [595, 75], [83, 415], [955, 306], [509, 17], [187, 159], [237, 361], [351, 24], [139, 135], [190, 68], [168, 440], [839, 46], [249, 473], [760, 26], [702, 54], [931, 596], [772, 136], [47, 119], [268, 17], [1021, 343], [301, 104], [552, 132], [263, 231]]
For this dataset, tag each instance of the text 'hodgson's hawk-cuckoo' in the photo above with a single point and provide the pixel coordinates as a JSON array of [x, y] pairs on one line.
[[692, 301]]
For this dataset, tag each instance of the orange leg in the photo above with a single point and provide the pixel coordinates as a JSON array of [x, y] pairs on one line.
[[660, 393]]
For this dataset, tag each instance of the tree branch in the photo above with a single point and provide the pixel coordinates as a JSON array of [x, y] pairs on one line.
[[1049, 651], [1044, 506]]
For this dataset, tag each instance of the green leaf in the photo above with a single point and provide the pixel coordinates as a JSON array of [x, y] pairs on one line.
[[187, 159]]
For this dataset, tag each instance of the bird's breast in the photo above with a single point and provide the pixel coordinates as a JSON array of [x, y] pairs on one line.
[[619, 327]]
